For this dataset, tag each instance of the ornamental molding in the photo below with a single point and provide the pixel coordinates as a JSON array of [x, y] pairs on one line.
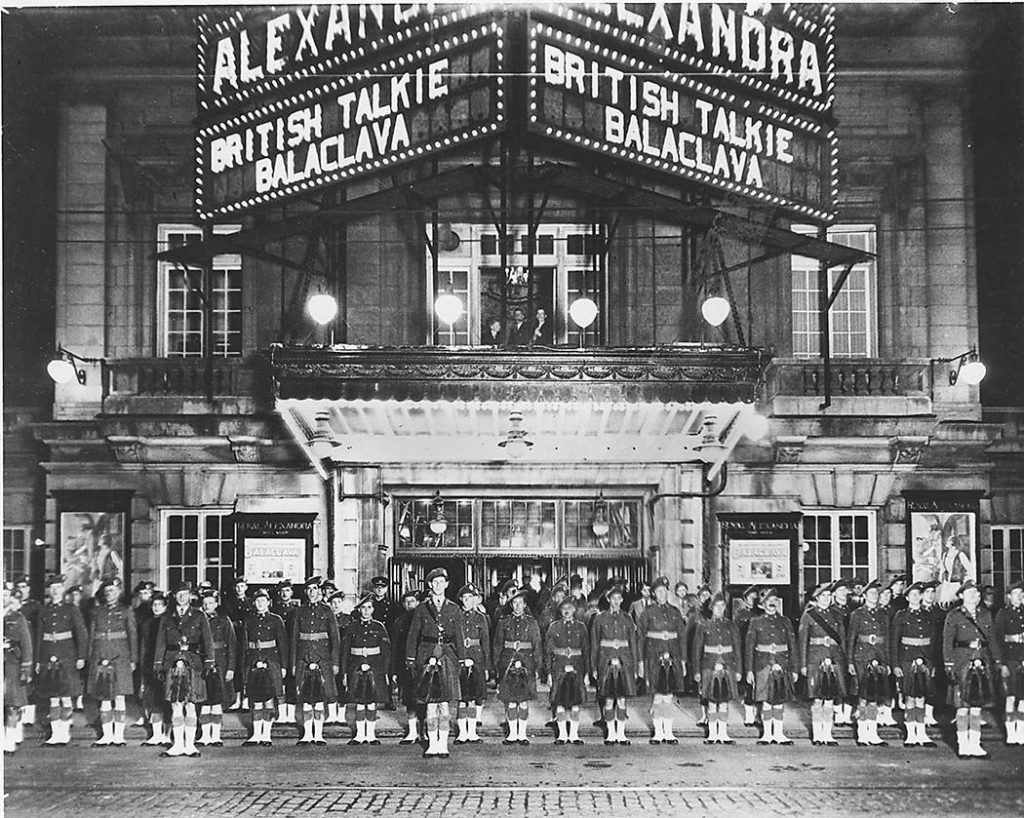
[[788, 450], [907, 451]]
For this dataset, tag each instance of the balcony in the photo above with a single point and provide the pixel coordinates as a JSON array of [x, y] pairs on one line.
[[862, 386], [183, 386]]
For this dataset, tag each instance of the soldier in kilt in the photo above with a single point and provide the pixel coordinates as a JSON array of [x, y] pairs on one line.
[[402, 672], [662, 632], [62, 646], [747, 610], [1009, 632], [336, 602], [911, 653], [17, 667], [237, 605], [821, 645], [567, 659], [518, 658], [286, 606], [937, 616], [263, 670], [184, 649], [315, 661], [717, 659], [434, 648], [770, 657], [113, 657], [366, 656], [151, 689], [220, 679], [475, 665], [843, 604], [616, 663], [867, 657]]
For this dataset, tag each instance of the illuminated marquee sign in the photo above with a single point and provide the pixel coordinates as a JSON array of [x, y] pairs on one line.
[[590, 96], [438, 96]]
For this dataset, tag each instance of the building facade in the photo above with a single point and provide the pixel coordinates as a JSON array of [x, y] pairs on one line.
[[216, 429]]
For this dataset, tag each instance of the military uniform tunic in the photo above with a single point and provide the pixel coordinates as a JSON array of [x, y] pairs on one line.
[[17, 659], [968, 646], [400, 670], [867, 649], [661, 630], [1009, 632], [61, 640], [183, 637], [435, 633], [567, 644], [823, 653], [225, 658], [477, 643], [366, 650], [912, 649], [113, 649], [315, 640], [265, 649], [717, 656], [769, 652], [518, 657], [615, 653]]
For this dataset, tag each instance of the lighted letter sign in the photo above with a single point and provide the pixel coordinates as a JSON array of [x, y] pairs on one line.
[[439, 96]]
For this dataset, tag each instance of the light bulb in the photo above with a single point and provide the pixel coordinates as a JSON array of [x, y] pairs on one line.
[[448, 308], [583, 311], [322, 308], [600, 528], [972, 373], [439, 525], [715, 310], [61, 371], [515, 447], [756, 426]]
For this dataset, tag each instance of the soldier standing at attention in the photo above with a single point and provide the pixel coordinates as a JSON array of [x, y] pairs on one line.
[[237, 605], [30, 609], [746, 611], [911, 650], [151, 692], [336, 602], [821, 646], [113, 657], [867, 657], [1009, 632], [970, 654], [366, 655], [266, 652], [434, 647], [220, 687], [286, 606], [662, 636], [476, 663], [402, 673], [384, 610], [62, 644], [17, 667], [844, 605], [184, 647], [616, 663], [717, 658], [315, 660], [518, 659], [770, 657], [937, 616], [567, 649]]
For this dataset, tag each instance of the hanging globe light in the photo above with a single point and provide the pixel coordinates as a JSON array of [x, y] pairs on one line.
[[61, 371], [448, 308], [715, 310], [756, 426], [322, 308], [972, 373], [583, 311]]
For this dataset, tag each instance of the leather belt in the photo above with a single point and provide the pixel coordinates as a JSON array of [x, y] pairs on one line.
[[916, 641], [57, 637], [441, 641], [869, 639], [615, 644], [974, 644], [718, 649], [314, 636], [663, 635], [822, 641], [567, 652], [517, 645], [365, 651], [262, 645], [1015, 638], [772, 648], [471, 643], [112, 635]]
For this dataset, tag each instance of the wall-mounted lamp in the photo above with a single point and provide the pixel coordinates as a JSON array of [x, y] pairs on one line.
[[438, 522], [969, 369], [63, 369], [516, 443], [710, 447], [600, 524]]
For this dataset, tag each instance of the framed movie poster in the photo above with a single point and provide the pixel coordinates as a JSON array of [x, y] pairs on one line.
[[762, 549], [274, 547], [93, 538], [942, 540], [759, 562]]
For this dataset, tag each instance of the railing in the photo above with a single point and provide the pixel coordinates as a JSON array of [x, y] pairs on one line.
[[862, 377], [181, 377]]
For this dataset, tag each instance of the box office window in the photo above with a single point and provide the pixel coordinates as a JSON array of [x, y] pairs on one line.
[[182, 313], [16, 544], [838, 544], [1007, 555], [852, 321], [198, 545]]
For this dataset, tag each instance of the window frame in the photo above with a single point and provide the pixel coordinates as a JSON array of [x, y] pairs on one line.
[[805, 266], [10, 575], [164, 269], [1003, 576], [836, 569], [202, 561]]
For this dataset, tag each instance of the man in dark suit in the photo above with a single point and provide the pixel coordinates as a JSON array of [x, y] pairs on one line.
[[543, 333], [520, 331]]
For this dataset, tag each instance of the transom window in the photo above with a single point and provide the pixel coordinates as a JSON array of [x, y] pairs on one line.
[[198, 545], [838, 544], [852, 321], [1007, 555], [182, 292]]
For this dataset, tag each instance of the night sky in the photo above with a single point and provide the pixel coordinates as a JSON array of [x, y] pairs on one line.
[[29, 182]]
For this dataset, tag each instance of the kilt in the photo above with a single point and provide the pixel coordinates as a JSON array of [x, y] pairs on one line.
[[183, 678], [664, 675], [917, 682], [437, 679], [218, 689], [473, 684], [518, 683], [567, 689], [151, 691], [15, 693], [367, 682], [262, 680], [826, 680], [874, 684], [304, 687], [407, 688], [615, 681], [1014, 686], [773, 685], [118, 669], [58, 679], [975, 685], [718, 684]]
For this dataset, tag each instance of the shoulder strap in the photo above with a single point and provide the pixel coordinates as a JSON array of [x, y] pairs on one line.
[[815, 614]]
